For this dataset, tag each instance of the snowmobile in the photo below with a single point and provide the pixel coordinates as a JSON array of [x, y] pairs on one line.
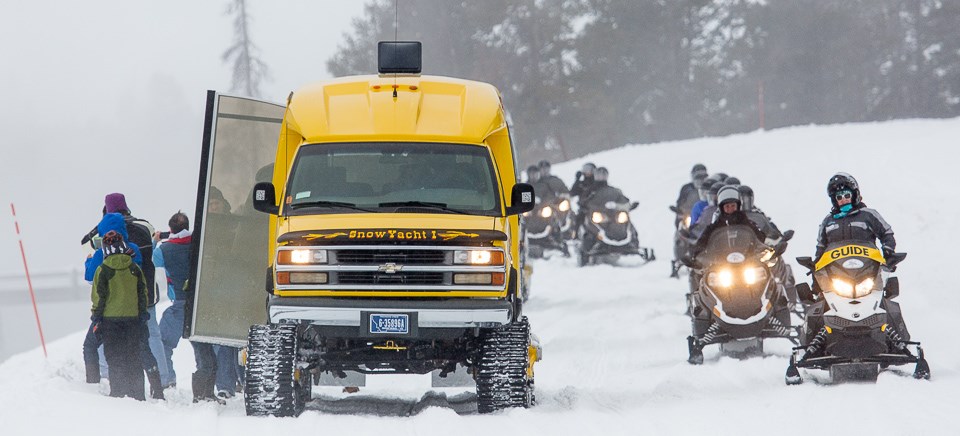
[[544, 227], [739, 301], [853, 329], [607, 234]]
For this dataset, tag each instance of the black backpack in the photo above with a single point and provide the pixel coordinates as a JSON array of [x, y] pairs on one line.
[[140, 232]]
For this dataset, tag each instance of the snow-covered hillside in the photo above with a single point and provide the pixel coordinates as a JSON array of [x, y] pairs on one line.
[[614, 337]]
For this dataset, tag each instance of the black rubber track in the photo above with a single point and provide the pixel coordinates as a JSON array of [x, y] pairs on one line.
[[271, 385], [502, 368]]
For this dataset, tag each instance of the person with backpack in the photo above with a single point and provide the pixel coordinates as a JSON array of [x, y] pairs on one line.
[[113, 222], [141, 234], [119, 297]]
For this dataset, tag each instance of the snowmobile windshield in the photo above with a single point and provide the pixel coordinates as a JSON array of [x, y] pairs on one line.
[[851, 271], [733, 244], [392, 177]]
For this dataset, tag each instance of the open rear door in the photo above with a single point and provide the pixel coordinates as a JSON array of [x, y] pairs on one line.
[[230, 238]]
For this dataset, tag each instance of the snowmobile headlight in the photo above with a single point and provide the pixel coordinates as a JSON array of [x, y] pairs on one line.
[[597, 217], [546, 212], [564, 206], [865, 287], [722, 278], [623, 217], [843, 288], [752, 275], [478, 257], [301, 257]]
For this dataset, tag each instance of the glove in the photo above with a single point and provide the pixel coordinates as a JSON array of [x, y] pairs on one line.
[[887, 252], [97, 332], [144, 316], [579, 175]]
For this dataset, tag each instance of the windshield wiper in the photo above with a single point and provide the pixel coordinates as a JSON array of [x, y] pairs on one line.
[[324, 203], [428, 204]]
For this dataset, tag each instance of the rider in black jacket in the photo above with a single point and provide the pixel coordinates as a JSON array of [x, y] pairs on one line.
[[851, 220]]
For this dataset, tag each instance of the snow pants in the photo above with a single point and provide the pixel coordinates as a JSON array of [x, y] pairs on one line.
[[123, 345], [93, 341], [171, 329]]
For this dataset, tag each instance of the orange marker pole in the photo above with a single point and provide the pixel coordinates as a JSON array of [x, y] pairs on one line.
[[33, 299]]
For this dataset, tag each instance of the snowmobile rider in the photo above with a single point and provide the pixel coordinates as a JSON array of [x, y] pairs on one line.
[[688, 193], [706, 199], [758, 217], [540, 188], [557, 187], [851, 220], [730, 214], [603, 192], [582, 189]]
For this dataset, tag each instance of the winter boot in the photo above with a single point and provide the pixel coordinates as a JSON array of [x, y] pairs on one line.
[[202, 387], [156, 388]]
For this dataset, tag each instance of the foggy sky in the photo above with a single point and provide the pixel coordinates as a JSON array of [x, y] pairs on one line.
[[103, 96]]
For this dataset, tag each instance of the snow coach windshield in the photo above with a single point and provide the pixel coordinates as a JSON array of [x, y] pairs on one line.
[[392, 177]]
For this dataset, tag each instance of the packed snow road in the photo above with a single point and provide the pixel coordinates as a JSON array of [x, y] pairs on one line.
[[613, 338]]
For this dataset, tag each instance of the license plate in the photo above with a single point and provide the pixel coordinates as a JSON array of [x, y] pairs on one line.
[[390, 323]]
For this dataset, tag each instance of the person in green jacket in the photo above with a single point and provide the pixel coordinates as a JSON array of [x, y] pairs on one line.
[[119, 313]]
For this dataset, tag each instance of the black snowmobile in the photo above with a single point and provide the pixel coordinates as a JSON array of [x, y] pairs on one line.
[[739, 301], [607, 233], [544, 227], [853, 329]]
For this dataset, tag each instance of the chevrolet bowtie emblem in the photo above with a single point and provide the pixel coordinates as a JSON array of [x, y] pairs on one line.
[[390, 268]]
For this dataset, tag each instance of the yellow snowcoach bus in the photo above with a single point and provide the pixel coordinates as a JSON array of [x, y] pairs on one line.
[[379, 235]]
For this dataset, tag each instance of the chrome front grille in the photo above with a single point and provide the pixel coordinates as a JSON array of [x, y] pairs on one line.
[[401, 278], [393, 268], [402, 257]]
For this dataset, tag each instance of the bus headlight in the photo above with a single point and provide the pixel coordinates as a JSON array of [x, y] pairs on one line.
[[301, 257], [478, 257]]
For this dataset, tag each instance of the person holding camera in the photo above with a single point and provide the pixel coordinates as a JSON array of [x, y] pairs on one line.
[[113, 224]]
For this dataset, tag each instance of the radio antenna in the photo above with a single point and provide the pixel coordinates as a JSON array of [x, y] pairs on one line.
[[396, 33]]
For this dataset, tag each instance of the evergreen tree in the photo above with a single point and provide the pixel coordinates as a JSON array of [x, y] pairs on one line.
[[248, 69]]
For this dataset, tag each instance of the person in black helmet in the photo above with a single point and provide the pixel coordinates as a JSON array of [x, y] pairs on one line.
[[582, 187], [758, 217], [556, 186], [851, 220], [689, 195], [540, 189]]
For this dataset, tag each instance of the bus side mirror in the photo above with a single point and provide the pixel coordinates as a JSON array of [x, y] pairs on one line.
[[521, 199], [265, 198]]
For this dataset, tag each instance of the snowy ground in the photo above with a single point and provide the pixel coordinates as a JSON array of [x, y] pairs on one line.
[[614, 337]]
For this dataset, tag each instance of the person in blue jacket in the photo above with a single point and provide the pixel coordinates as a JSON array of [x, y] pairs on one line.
[[91, 358]]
